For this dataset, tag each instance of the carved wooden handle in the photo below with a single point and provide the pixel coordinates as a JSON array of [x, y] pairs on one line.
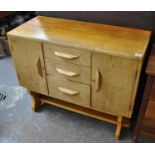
[[97, 80], [65, 55], [66, 73], [68, 91], [38, 64]]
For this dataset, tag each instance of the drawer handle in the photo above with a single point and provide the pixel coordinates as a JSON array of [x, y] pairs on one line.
[[68, 91], [65, 55], [66, 73], [97, 80], [38, 64]]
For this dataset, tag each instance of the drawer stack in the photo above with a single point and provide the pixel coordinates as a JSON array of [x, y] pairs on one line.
[[68, 73]]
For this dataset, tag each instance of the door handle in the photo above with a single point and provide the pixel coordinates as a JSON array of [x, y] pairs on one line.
[[65, 55], [66, 73], [38, 65], [98, 80], [68, 91]]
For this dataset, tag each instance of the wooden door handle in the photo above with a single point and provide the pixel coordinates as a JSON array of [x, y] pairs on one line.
[[66, 73], [65, 55], [38, 65], [68, 91], [97, 80]]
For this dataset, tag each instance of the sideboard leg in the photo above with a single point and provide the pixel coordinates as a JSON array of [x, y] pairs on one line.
[[35, 101], [119, 127]]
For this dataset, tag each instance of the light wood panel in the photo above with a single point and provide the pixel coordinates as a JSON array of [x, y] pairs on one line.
[[68, 71], [113, 81], [67, 54], [29, 63], [69, 91], [114, 40]]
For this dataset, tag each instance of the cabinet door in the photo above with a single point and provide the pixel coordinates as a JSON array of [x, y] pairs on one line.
[[113, 84], [28, 60]]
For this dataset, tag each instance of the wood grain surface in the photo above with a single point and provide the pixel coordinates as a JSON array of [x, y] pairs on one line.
[[117, 80], [114, 40], [30, 75]]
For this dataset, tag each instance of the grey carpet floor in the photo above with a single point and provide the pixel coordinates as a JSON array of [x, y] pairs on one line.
[[51, 124]]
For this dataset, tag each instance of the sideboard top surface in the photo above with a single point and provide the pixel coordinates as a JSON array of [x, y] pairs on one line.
[[113, 40]]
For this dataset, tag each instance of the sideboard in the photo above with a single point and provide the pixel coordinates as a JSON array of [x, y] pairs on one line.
[[89, 68]]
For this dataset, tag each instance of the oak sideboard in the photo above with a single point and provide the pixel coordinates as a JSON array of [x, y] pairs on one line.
[[89, 68]]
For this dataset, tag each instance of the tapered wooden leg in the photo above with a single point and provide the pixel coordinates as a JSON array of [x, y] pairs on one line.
[[35, 101], [119, 127]]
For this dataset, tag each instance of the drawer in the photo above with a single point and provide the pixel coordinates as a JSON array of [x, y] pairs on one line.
[[68, 71], [67, 54], [69, 91]]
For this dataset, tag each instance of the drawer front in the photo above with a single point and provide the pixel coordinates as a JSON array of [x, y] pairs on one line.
[[68, 71], [69, 91], [67, 54]]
